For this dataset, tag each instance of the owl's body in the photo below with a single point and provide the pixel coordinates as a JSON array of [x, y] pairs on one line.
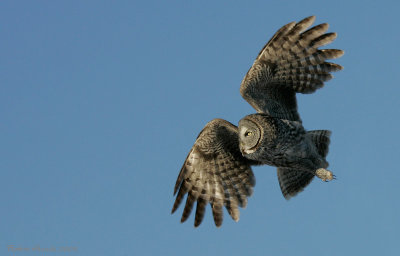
[[217, 169], [283, 143]]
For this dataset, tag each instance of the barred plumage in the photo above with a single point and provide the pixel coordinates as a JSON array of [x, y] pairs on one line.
[[294, 64], [217, 169]]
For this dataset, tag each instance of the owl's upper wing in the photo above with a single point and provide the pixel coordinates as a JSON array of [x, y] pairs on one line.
[[289, 63], [216, 172]]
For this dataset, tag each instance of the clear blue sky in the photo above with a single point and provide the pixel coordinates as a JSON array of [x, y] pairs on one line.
[[100, 102]]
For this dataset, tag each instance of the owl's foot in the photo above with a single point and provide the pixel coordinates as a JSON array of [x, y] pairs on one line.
[[324, 174]]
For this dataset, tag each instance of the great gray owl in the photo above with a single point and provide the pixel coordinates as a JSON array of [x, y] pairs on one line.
[[217, 169]]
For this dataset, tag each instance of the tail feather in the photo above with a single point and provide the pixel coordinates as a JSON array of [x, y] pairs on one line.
[[292, 181]]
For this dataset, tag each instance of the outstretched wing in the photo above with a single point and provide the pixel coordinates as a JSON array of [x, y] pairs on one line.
[[289, 63], [215, 172]]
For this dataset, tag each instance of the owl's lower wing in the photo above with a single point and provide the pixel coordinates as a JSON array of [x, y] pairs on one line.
[[289, 63], [293, 181], [215, 172]]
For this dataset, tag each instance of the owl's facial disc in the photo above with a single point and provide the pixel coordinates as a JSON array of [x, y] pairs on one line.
[[249, 136]]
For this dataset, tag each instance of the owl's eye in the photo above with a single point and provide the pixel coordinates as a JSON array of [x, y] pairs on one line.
[[248, 133]]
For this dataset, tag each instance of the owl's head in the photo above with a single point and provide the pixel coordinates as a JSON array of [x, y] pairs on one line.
[[250, 135], [252, 131]]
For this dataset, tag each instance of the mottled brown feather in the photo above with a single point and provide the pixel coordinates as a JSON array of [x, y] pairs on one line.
[[289, 63], [215, 172]]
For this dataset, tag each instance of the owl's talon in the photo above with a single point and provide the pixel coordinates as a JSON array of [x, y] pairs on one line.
[[324, 174]]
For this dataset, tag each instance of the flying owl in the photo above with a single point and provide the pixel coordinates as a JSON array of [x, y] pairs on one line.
[[217, 169]]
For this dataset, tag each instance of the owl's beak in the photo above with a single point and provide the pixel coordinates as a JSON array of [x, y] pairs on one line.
[[242, 149], [246, 151]]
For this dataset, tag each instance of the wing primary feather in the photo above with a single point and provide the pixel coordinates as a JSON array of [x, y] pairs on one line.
[[200, 210], [216, 207], [188, 207], [179, 197]]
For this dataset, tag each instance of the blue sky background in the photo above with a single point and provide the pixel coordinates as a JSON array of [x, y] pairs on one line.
[[100, 102]]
